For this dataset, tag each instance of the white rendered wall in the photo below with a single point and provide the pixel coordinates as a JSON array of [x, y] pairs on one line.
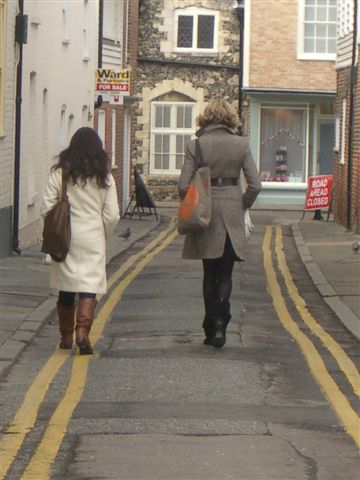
[[7, 139], [58, 94]]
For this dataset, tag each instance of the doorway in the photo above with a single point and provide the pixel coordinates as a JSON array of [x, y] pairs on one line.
[[326, 143]]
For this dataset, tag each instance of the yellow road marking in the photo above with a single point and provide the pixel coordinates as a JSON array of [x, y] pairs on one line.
[[25, 417], [24, 420], [337, 399], [44, 456], [344, 362], [130, 262]]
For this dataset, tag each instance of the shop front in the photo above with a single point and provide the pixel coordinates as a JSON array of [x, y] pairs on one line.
[[292, 137]]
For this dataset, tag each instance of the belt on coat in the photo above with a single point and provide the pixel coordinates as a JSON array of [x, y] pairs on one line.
[[224, 181]]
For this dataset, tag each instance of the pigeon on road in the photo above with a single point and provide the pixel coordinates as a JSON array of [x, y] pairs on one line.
[[126, 233]]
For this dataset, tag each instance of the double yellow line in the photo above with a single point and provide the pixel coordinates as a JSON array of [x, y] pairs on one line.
[[337, 399], [25, 418]]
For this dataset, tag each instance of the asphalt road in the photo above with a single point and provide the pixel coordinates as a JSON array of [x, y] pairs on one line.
[[154, 403]]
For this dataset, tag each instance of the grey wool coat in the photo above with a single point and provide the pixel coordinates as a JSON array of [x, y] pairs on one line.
[[227, 154]]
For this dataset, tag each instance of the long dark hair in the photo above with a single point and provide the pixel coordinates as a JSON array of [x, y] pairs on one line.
[[84, 158]]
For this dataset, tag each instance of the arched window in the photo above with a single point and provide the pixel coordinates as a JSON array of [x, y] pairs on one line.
[[172, 126]]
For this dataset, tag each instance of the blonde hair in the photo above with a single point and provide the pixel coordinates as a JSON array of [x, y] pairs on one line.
[[219, 112]]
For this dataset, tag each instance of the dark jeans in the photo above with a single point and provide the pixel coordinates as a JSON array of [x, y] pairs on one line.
[[67, 299], [217, 286]]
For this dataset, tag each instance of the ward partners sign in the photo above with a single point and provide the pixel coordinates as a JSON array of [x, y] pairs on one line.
[[113, 81], [318, 193]]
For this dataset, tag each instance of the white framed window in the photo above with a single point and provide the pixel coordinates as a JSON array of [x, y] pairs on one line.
[[172, 126], [196, 30], [113, 21], [343, 132], [2, 65], [317, 30]]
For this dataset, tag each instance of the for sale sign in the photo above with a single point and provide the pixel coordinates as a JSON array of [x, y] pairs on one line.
[[318, 192], [113, 81]]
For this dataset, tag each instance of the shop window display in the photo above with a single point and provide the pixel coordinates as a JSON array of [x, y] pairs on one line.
[[283, 145]]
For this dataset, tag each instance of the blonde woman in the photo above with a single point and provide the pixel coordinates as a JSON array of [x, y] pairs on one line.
[[223, 242]]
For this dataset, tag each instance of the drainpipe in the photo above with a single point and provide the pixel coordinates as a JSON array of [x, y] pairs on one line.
[[20, 38], [98, 102], [101, 31], [351, 120], [239, 6]]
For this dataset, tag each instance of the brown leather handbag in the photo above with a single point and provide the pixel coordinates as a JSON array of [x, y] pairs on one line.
[[57, 227]]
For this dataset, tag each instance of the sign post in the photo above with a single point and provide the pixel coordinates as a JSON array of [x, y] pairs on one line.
[[318, 193]]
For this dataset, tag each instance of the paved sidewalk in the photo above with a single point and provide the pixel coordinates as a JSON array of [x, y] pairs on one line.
[[27, 302], [327, 250], [332, 258]]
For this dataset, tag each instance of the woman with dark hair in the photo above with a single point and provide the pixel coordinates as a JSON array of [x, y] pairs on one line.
[[94, 213], [223, 242]]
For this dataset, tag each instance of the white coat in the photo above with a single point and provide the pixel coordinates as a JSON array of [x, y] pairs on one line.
[[94, 214]]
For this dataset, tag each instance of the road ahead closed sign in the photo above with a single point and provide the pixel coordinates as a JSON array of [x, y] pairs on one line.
[[318, 192]]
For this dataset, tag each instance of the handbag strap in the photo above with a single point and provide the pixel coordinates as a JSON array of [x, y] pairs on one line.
[[63, 185], [198, 154]]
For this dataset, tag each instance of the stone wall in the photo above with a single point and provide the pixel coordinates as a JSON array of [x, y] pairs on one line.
[[197, 76]]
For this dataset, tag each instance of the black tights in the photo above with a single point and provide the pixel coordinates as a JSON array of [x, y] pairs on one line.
[[67, 299], [217, 283]]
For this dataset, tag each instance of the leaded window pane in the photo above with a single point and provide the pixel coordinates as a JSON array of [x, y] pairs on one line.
[[166, 161], [309, 45], [158, 116], [321, 30], [331, 46], [310, 13], [185, 31], [166, 143], [321, 14], [188, 117], [179, 116], [309, 30], [332, 14], [321, 45], [332, 31], [205, 31], [167, 116], [157, 161], [181, 141]]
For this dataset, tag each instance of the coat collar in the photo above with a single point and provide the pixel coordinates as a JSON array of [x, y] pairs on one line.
[[213, 128]]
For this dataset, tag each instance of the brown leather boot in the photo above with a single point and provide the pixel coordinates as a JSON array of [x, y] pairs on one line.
[[66, 323], [84, 321]]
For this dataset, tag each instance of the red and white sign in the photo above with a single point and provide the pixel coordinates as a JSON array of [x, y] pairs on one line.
[[113, 81], [318, 192]]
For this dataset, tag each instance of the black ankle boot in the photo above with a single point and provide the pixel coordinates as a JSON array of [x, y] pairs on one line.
[[209, 329], [222, 319]]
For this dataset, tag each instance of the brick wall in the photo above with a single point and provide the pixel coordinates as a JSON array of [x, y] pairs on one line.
[[273, 51], [117, 170], [341, 171], [130, 36]]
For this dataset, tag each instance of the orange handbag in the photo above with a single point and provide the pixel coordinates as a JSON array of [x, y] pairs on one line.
[[194, 212]]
